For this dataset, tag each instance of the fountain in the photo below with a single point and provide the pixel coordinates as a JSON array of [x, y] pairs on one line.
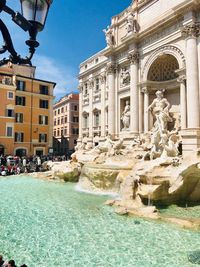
[[148, 170]]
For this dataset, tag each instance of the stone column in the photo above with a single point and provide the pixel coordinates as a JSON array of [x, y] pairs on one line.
[[183, 106], [191, 32], [141, 111], [191, 135], [198, 48], [80, 114], [134, 92], [103, 91], [146, 112], [90, 139], [111, 98]]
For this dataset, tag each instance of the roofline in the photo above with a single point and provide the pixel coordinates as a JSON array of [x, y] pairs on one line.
[[35, 79]]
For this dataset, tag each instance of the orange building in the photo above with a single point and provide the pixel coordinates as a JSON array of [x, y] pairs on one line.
[[26, 112], [66, 123]]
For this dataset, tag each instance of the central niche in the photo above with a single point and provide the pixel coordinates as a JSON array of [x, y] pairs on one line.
[[163, 69]]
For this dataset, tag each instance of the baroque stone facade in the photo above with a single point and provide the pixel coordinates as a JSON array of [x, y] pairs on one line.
[[152, 45]]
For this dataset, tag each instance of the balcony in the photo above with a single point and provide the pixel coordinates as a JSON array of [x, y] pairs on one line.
[[86, 99], [96, 96], [85, 130], [97, 129]]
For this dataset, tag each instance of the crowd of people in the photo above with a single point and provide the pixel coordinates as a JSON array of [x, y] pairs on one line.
[[15, 165], [10, 263]]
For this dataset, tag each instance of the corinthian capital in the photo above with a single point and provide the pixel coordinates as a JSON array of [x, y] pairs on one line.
[[192, 30], [111, 68], [133, 57]]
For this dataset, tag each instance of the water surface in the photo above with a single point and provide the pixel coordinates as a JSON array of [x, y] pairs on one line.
[[47, 224]]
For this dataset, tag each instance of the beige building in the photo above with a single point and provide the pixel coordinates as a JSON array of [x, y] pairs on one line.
[[66, 120], [151, 45], [26, 112]]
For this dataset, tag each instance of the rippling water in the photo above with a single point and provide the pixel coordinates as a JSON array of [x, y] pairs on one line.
[[47, 224]]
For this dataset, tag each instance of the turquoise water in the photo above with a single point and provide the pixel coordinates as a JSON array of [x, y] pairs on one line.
[[47, 224]]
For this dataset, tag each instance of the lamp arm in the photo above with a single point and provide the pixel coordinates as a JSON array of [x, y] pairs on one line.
[[8, 46]]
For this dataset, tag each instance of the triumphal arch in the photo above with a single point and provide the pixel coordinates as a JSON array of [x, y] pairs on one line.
[[152, 46]]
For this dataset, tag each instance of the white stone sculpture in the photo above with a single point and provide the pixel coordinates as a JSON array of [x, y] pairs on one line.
[[131, 23], [126, 117], [109, 36], [161, 142], [125, 76], [160, 110]]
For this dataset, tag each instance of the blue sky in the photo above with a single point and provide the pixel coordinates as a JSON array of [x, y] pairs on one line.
[[73, 33]]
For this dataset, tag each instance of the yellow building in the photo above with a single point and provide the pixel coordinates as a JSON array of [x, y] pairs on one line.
[[26, 112]]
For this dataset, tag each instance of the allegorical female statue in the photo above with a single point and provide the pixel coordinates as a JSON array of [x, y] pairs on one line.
[[126, 117], [109, 36]]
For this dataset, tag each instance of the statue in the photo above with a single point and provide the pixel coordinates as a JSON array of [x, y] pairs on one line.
[[126, 117], [125, 76], [161, 142], [160, 110], [109, 36], [131, 23]]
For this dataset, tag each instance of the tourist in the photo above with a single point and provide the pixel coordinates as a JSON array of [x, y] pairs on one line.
[[2, 262], [11, 263]]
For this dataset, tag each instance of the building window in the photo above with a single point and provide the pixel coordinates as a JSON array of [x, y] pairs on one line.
[[75, 107], [75, 118], [54, 123], [42, 138], [62, 110], [19, 137], [55, 113], [58, 111], [58, 132], [43, 119], [75, 131], [97, 84], [66, 108], [86, 89], [19, 117], [44, 104], [20, 100], [62, 120], [10, 95], [65, 119], [21, 85], [9, 131], [85, 121], [44, 90], [7, 80], [61, 132], [65, 131], [58, 122], [10, 113], [54, 133], [96, 119]]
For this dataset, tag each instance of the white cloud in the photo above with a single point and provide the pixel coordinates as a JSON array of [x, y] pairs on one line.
[[48, 69]]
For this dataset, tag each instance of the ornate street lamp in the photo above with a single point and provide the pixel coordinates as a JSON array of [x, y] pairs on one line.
[[32, 19]]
